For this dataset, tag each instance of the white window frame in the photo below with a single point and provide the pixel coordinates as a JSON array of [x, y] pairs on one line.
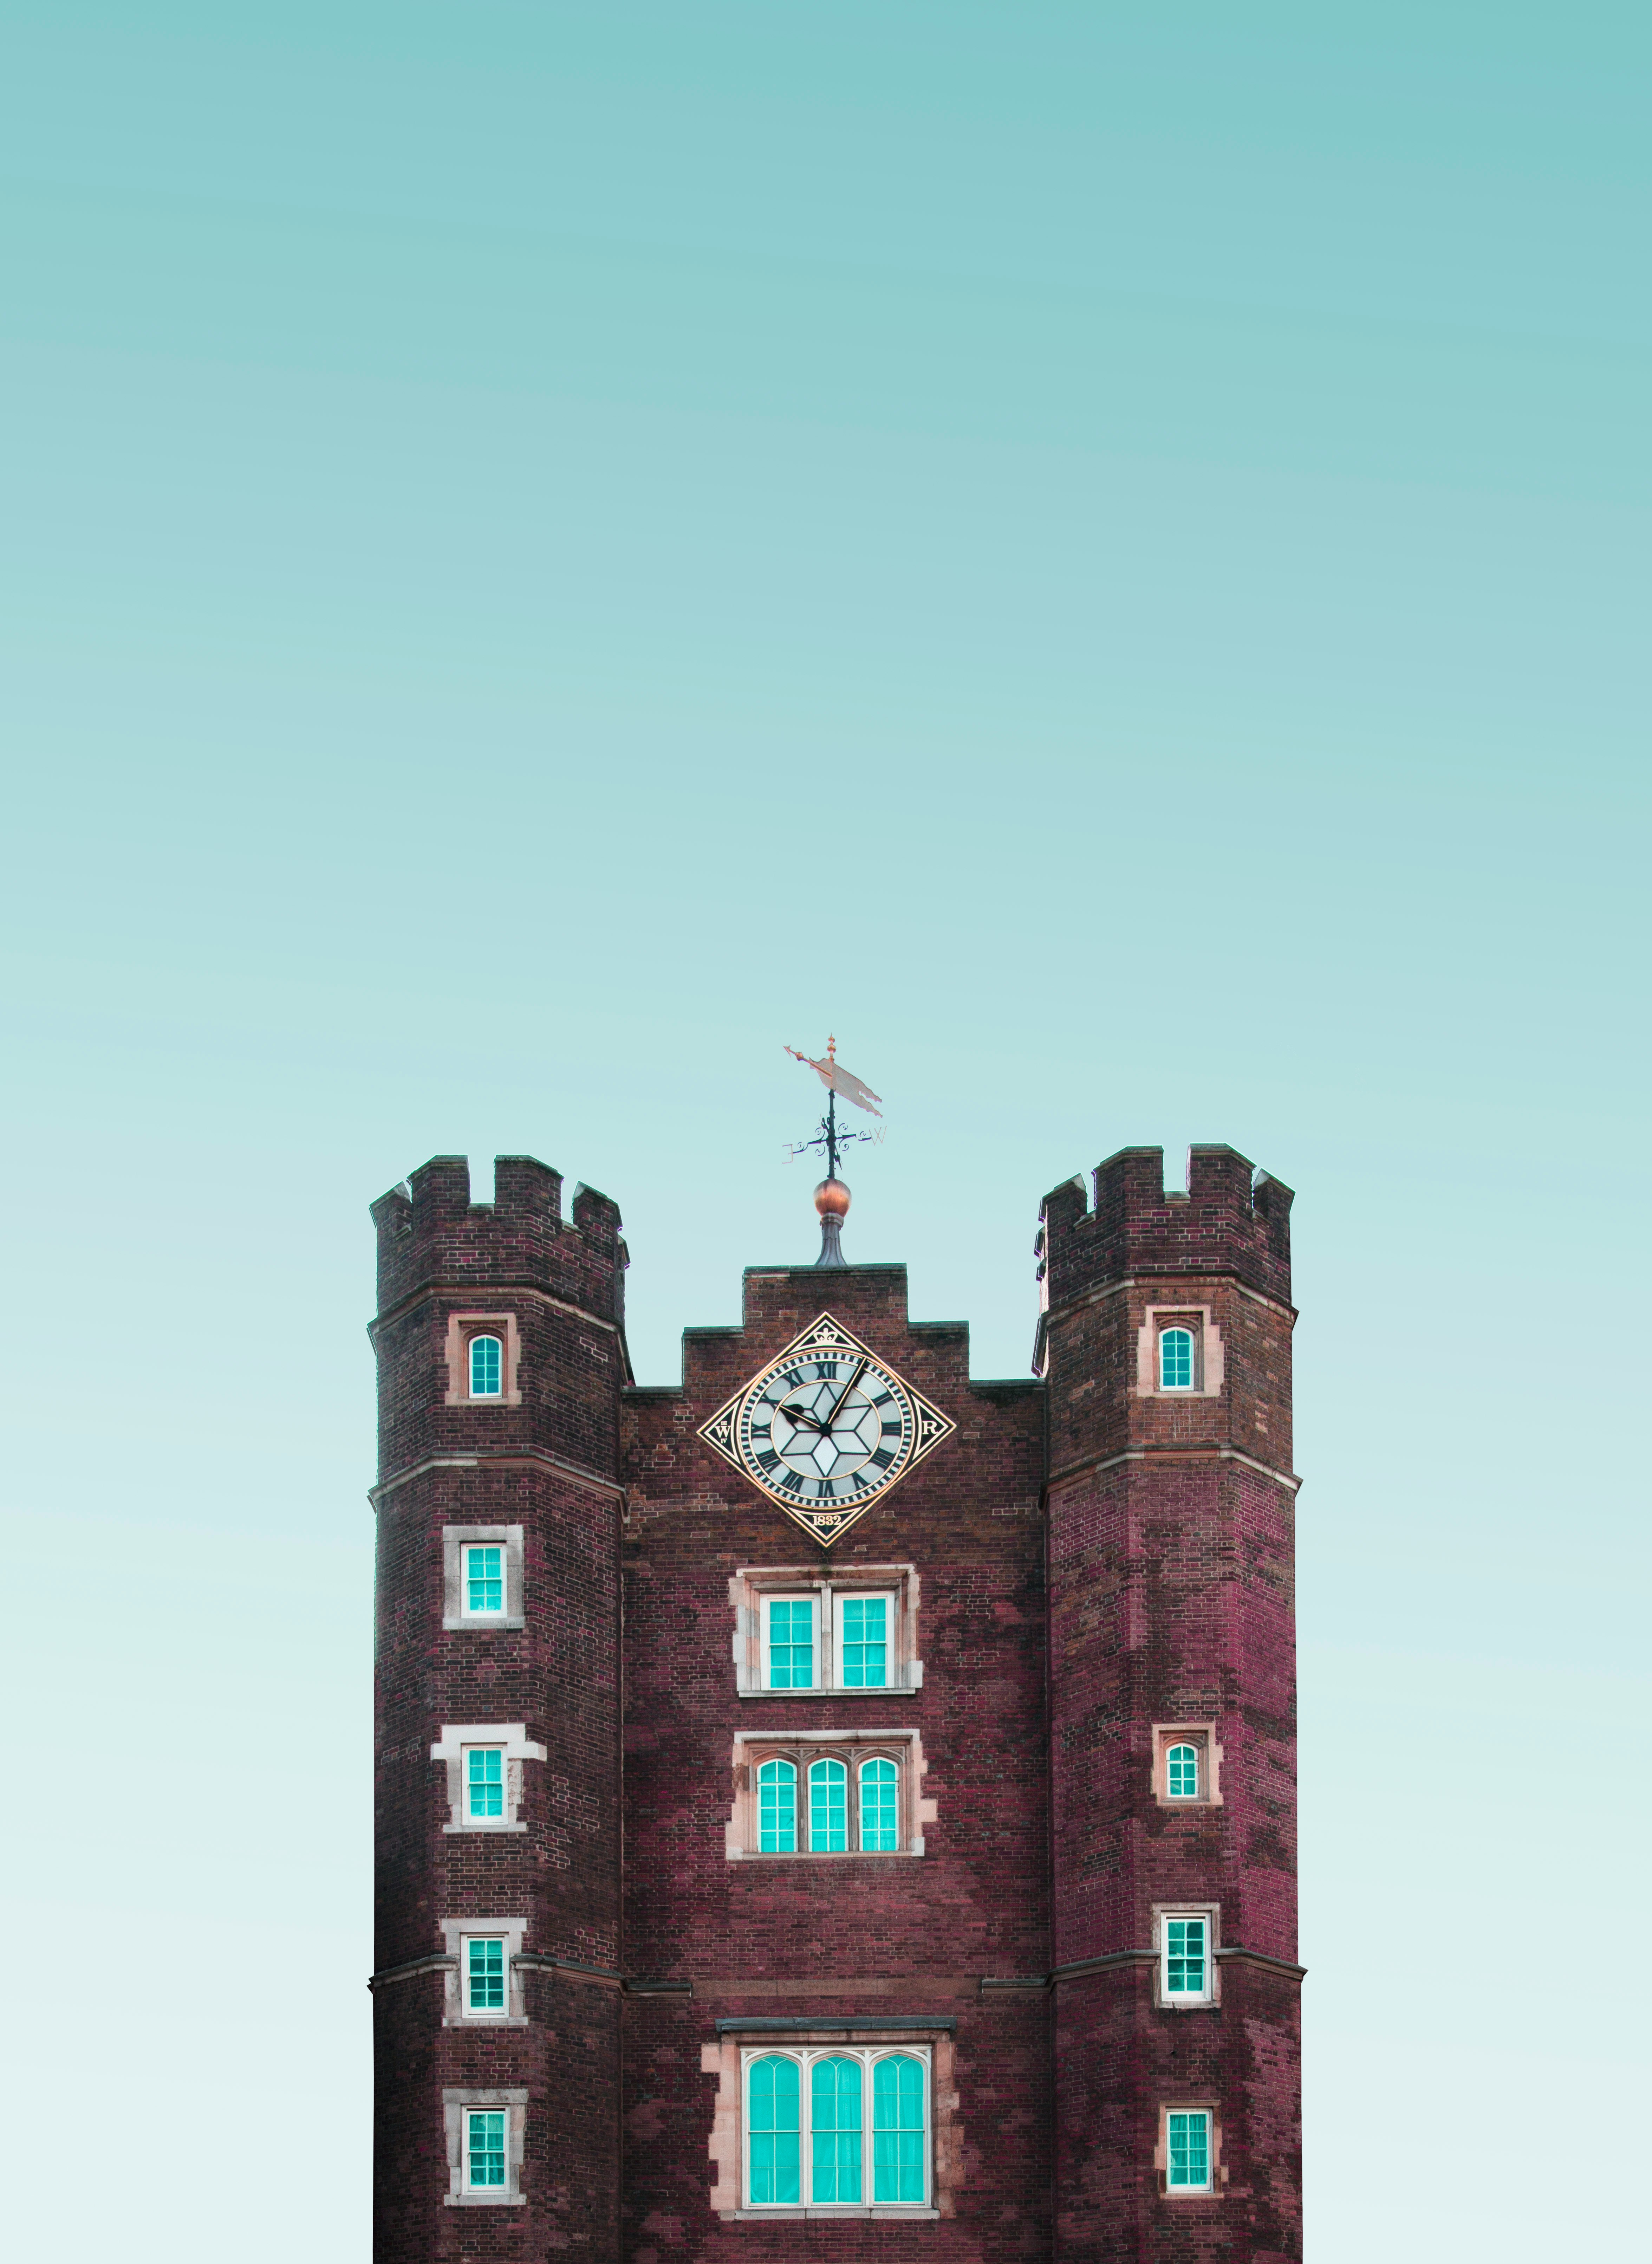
[[457, 2108], [840, 1594], [812, 1598], [456, 1613], [1186, 2000], [457, 1741], [1177, 1328], [1215, 2177], [457, 1933], [495, 1337], [806, 2055]]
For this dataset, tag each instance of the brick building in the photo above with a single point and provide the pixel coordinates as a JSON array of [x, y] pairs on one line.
[[833, 1792]]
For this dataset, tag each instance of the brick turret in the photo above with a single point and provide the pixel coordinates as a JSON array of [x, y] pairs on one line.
[[1170, 1502], [527, 1464]]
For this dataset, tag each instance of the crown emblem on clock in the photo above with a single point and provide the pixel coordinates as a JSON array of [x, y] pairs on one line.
[[826, 1429]]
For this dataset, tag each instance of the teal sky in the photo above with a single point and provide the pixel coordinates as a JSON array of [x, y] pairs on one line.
[[546, 552]]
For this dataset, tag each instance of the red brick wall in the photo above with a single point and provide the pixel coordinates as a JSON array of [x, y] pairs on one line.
[[1171, 1575], [549, 1465]]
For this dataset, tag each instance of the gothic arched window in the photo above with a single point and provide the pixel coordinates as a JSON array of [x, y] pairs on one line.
[[828, 1808], [777, 1808], [487, 1366], [879, 1807], [1175, 1360], [1181, 1772]]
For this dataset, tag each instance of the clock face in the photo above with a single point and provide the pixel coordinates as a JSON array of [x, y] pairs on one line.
[[826, 1429]]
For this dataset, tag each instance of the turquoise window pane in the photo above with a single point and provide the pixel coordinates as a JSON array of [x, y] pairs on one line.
[[828, 1808], [486, 2147], [865, 1643], [1183, 1772], [485, 1975], [791, 1645], [485, 1781], [484, 1575], [774, 2094], [898, 2129], [1175, 1360], [879, 1821], [1190, 2151], [777, 1809], [1184, 1956], [484, 1367], [835, 2127]]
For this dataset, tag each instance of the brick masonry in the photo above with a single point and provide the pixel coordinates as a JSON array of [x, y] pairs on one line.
[[1093, 1558]]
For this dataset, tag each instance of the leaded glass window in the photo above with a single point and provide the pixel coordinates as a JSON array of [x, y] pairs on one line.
[[791, 1643], [835, 2124], [485, 1578], [484, 1780], [1184, 1959], [828, 1808], [880, 1814], [487, 1363], [897, 2129], [484, 2149], [777, 1808], [1188, 2151], [865, 1641], [772, 2117], [1182, 1772], [1175, 1360], [484, 1974]]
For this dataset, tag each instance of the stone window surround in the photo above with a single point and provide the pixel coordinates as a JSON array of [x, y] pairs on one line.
[[1209, 1360], [515, 2100], [753, 1747], [1211, 1913], [1201, 1734], [454, 1616], [455, 2013], [726, 2060], [1162, 2151], [460, 1329], [751, 1583], [451, 1746]]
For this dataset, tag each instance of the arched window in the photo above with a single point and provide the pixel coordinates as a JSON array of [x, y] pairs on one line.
[[775, 2169], [487, 1361], [897, 2129], [828, 1808], [1175, 1360], [879, 1819], [1181, 1772], [777, 1808], [835, 2125]]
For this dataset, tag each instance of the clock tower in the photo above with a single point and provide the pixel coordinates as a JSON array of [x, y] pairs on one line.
[[831, 1789]]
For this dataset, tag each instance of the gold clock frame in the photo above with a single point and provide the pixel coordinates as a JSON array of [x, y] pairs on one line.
[[825, 1334]]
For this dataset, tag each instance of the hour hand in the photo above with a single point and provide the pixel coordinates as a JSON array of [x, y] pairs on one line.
[[801, 1415]]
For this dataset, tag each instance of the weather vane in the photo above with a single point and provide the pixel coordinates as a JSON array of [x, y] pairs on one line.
[[831, 1197]]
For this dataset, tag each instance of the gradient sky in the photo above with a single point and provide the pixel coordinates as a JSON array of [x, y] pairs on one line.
[[545, 552]]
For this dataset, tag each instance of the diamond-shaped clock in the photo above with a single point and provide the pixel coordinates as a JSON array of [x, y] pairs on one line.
[[825, 1428]]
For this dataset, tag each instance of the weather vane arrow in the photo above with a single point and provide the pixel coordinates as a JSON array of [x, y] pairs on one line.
[[831, 1197]]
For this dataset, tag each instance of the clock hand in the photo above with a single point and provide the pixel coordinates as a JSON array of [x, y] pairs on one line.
[[799, 1415], [829, 1425]]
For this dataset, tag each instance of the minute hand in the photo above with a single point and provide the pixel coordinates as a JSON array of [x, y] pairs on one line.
[[830, 1423]]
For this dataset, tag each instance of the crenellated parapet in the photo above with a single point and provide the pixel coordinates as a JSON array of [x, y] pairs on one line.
[[431, 1232], [1233, 1220]]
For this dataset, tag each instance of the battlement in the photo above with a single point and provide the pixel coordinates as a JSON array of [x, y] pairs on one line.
[[430, 1232], [1233, 1219]]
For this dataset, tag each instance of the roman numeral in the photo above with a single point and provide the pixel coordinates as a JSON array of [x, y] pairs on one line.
[[882, 1458], [767, 1459], [892, 1430]]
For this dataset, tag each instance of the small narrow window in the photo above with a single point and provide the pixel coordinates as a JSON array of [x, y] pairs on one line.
[[1185, 1964], [777, 1808], [484, 2149], [789, 1644], [880, 1820], [1175, 1360], [484, 1780], [897, 2129], [776, 2165], [487, 1361], [484, 1580], [835, 2127], [1182, 1772], [865, 1642], [828, 1808], [1188, 2151], [484, 1974]]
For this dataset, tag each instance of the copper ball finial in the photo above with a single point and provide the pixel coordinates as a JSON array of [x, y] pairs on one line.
[[831, 1199]]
